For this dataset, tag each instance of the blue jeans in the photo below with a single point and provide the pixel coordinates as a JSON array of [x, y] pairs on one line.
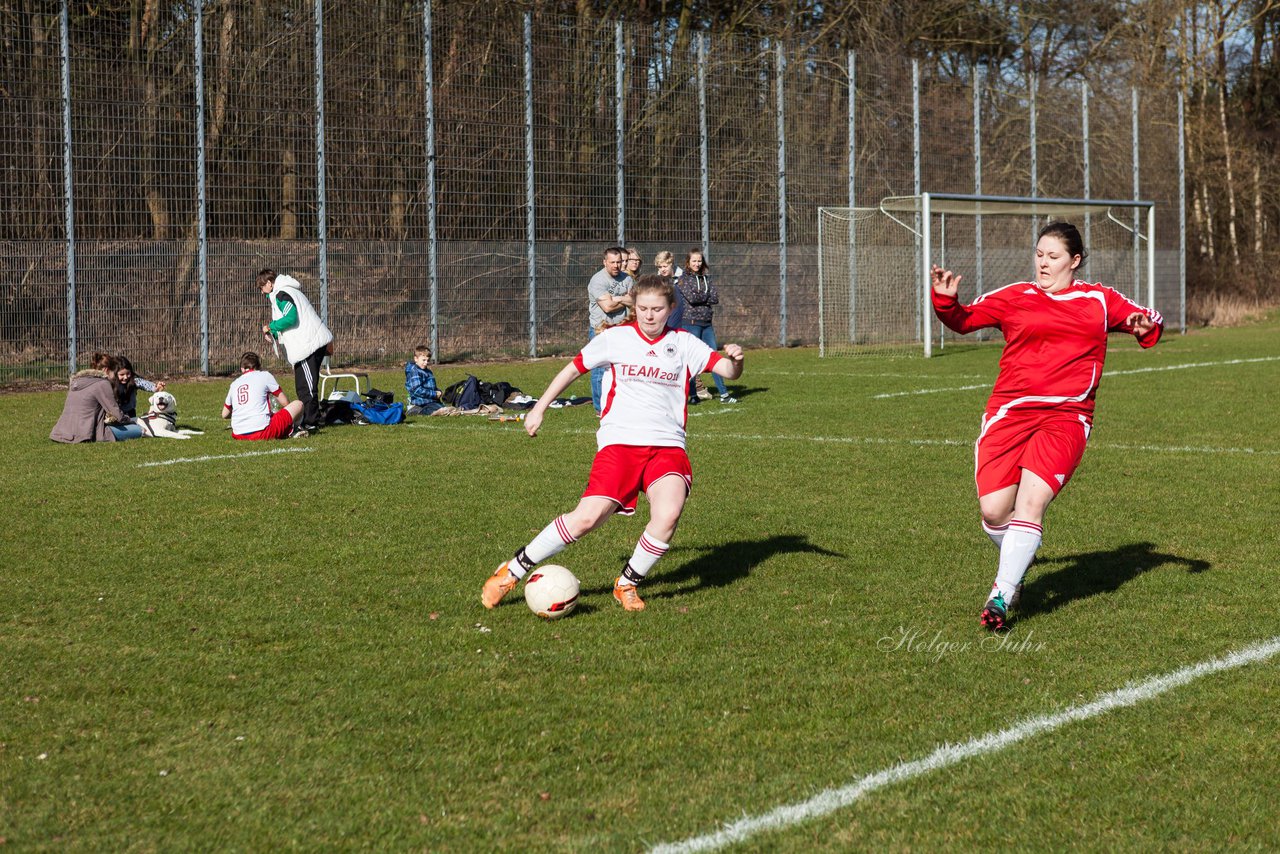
[[707, 336], [125, 431], [597, 378]]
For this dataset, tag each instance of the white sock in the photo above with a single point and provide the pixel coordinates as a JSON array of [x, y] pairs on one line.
[[1016, 553], [549, 543], [995, 532], [647, 552]]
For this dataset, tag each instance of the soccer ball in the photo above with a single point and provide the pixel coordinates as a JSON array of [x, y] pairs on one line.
[[551, 591]]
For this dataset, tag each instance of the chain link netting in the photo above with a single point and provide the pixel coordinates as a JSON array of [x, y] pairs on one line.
[[314, 156]]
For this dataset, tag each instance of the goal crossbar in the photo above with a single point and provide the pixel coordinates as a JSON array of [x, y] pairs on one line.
[[970, 205]]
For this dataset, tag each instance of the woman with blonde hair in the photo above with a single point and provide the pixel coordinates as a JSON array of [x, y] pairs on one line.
[[666, 264]]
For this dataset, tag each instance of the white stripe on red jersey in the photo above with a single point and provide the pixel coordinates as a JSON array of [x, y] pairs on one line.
[[1055, 344]]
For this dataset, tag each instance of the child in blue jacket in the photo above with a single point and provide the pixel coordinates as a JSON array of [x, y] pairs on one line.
[[420, 383]]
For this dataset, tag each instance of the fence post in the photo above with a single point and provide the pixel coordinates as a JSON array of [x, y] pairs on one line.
[[977, 179], [1182, 213], [1137, 237], [782, 199], [853, 199], [1031, 108], [322, 231], [921, 322], [202, 234], [429, 92], [68, 200], [619, 93], [703, 156], [1084, 141], [530, 232]]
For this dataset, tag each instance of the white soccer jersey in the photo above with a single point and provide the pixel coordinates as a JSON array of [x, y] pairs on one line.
[[644, 392], [249, 399]]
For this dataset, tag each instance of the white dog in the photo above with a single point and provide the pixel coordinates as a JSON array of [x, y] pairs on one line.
[[161, 420]]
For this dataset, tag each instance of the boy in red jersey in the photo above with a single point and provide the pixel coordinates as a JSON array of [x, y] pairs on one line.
[[1040, 412], [640, 441]]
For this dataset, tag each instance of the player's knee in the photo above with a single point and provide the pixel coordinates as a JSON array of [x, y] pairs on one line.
[[996, 514], [582, 520]]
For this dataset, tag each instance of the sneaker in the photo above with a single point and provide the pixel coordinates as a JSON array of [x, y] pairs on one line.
[[995, 614], [498, 585], [299, 433], [693, 400], [728, 398], [627, 596]]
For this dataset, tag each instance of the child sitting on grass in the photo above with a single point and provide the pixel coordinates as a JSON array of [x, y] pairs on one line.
[[420, 383]]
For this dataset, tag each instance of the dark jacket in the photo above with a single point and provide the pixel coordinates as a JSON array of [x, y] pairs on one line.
[[700, 295], [90, 398]]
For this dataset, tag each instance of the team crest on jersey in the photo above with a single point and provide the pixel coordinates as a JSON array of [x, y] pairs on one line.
[[669, 350]]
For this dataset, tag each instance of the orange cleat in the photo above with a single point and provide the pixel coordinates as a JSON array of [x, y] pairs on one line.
[[627, 596], [498, 585]]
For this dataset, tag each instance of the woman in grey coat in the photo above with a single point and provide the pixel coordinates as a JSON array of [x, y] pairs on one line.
[[91, 400]]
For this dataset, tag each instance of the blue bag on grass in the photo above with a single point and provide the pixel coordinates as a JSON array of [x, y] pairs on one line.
[[380, 413]]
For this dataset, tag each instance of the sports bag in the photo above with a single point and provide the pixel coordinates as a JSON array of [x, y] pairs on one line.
[[380, 413]]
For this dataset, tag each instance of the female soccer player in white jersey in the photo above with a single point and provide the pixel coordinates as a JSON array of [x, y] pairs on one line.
[[1040, 411], [640, 440]]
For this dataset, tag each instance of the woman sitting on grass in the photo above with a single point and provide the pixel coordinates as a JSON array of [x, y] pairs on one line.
[[127, 384], [91, 405]]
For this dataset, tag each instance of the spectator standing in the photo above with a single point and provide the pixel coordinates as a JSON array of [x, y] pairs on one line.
[[609, 299], [306, 339], [701, 297], [666, 264]]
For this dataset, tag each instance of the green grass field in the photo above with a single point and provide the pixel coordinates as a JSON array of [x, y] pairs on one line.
[[288, 651]]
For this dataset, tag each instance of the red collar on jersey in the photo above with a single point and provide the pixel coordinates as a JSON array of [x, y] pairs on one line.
[[644, 337]]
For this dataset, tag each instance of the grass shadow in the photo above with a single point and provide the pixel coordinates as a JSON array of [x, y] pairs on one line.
[[720, 566], [1091, 573]]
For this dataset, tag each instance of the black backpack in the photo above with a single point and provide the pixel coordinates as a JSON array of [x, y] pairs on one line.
[[497, 393], [464, 394]]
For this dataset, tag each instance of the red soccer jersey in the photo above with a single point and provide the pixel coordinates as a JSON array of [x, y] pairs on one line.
[[1055, 344]]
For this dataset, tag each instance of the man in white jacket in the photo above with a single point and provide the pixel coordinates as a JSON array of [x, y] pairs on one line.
[[305, 338]]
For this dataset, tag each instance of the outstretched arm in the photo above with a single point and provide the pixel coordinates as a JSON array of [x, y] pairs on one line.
[[562, 381], [730, 367]]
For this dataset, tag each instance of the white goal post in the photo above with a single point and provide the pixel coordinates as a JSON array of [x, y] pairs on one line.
[[873, 262]]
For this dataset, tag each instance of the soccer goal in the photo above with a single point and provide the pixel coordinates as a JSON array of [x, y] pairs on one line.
[[873, 263]]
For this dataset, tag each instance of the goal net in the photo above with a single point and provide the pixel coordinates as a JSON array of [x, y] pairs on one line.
[[873, 262]]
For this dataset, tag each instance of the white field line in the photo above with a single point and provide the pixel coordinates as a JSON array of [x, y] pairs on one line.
[[174, 462], [862, 374], [968, 443], [877, 440], [828, 801], [1105, 374]]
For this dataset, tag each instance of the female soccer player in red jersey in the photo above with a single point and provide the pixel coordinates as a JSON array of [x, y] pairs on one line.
[[640, 441], [1040, 412]]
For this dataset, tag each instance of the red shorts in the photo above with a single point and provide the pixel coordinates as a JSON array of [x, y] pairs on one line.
[[621, 472], [277, 428], [1047, 444]]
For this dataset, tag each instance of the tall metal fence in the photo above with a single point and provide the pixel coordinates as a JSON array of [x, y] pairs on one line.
[[451, 175]]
